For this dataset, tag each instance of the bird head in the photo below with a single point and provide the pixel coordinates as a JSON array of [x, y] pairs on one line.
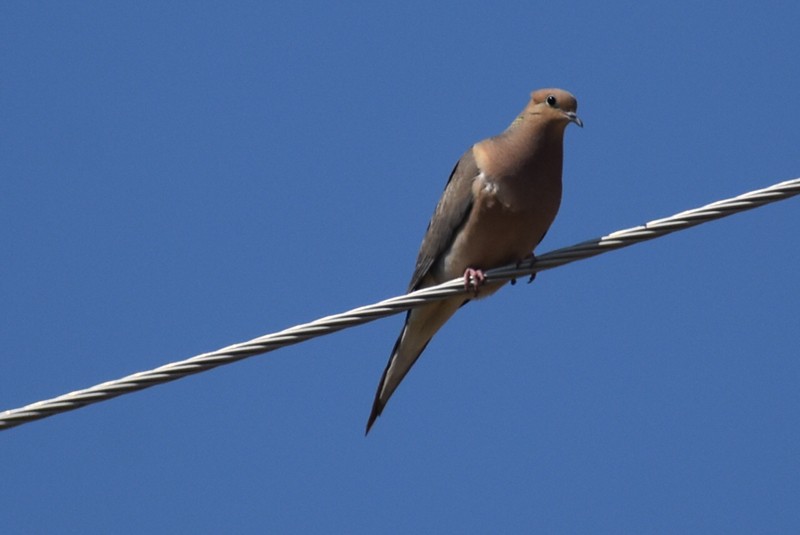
[[555, 105]]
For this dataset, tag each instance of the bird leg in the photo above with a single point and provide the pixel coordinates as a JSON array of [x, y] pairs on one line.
[[473, 280]]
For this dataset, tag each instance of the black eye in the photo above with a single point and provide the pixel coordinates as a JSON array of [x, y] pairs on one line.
[[551, 101]]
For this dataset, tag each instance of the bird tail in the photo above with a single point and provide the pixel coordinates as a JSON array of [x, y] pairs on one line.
[[387, 388], [420, 326]]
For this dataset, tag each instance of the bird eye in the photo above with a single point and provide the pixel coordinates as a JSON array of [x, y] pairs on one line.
[[551, 101]]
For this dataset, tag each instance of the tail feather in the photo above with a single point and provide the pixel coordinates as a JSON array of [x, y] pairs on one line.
[[420, 326], [381, 396]]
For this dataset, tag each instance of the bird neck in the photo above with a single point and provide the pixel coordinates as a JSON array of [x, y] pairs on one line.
[[537, 140]]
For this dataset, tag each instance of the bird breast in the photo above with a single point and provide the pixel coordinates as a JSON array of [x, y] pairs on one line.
[[508, 219]]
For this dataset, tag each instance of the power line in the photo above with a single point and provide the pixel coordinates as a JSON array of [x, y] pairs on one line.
[[365, 314]]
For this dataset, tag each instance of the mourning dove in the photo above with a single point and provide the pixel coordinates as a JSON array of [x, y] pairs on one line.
[[501, 198]]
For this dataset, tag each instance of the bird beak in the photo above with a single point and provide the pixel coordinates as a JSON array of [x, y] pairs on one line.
[[573, 118]]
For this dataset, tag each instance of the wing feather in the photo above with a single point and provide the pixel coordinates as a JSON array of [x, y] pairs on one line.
[[448, 218]]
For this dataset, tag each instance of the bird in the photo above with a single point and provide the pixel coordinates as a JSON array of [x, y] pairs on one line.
[[501, 198]]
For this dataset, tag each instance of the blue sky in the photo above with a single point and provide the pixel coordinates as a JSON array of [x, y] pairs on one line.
[[177, 177]]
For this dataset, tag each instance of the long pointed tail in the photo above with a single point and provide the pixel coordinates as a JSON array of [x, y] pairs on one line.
[[392, 376], [420, 326]]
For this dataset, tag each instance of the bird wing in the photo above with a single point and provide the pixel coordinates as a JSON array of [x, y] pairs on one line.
[[448, 218]]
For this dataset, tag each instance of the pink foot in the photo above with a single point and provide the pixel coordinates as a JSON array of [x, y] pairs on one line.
[[473, 280]]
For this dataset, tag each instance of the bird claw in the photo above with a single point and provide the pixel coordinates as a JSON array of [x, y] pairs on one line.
[[473, 280], [530, 260]]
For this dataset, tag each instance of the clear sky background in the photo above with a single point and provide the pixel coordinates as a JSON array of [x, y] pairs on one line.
[[177, 177]]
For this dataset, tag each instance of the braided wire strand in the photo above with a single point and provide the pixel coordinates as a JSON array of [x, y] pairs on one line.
[[364, 314]]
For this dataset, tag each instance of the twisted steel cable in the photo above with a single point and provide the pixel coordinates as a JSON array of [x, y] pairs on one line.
[[394, 305]]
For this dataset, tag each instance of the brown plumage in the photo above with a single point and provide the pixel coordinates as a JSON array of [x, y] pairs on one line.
[[501, 198]]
